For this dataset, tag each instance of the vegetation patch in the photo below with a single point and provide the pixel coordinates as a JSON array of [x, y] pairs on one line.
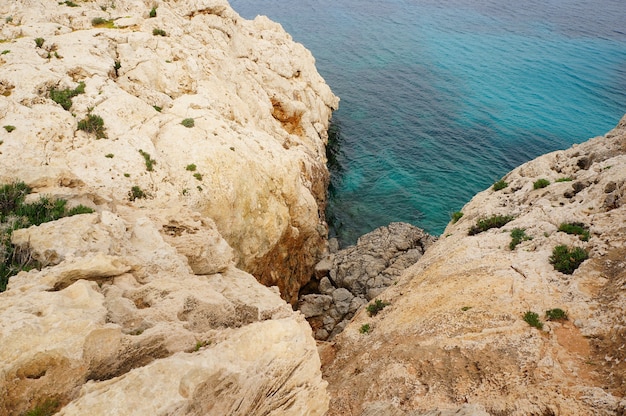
[[517, 236], [188, 122], [153, 12], [484, 224], [4, 52], [565, 179], [39, 42], [93, 124], [109, 155], [541, 183], [64, 97], [136, 193], [69, 3], [47, 408], [566, 260], [556, 315], [378, 305], [100, 22], [466, 308], [532, 319], [191, 167], [157, 108], [575, 228], [498, 186], [16, 214], [149, 161], [456, 216], [159, 32], [9, 129], [365, 329], [198, 176]]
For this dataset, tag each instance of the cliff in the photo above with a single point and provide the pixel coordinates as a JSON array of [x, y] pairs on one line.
[[484, 323], [198, 140]]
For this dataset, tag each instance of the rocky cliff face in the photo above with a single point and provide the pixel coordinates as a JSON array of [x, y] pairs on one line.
[[199, 140], [254, 159], [456, 333]]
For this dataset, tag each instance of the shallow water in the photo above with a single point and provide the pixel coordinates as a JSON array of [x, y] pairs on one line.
[[441, 99]]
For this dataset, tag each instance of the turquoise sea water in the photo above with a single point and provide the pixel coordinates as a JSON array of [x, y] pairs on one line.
[[439, 99]]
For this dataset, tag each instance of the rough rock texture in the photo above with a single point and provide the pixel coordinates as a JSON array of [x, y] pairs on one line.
[[259, 107], [351, 277], [142, 307], [121, 325], [454, 332]]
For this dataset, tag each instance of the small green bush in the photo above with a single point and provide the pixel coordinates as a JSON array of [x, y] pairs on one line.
[[101, 22], [198, 176], [565, 179], [532, 319], [64, 97], [109, 155], [15, 214], [127, 175], [484, 224], [191, 167], [188, 122], [575, 228], [153, 12], [4, 52], [149, 161], [93, 124], [466, 308], [566, 260], [159, 32], [79, 209], [365, 329], [501, 184], [456, 216], [39, 42], [116, 67], [9, 129], [157, 108], [378, 305], [69, 3], [517, 236], [556, 315], [541, 183], [47, 408], [136, 193]]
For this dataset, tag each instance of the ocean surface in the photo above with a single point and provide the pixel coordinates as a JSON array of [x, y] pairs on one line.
[[439, 99]]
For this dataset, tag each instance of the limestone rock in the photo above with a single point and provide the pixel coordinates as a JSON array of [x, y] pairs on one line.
[[254, 161], [454, 330], [359, 273]]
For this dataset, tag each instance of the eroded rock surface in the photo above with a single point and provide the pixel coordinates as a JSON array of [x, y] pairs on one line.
[[350, 278], [210, 166], [453, 334]]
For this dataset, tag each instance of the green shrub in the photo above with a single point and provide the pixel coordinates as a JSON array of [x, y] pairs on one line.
[[517, 236], [153, 12], [556, 315], [136, 193], [47, 408], [484, 224], [188, 122], [191, 167], [127, 175], [575, 228], [501, 184], [9, 129], [157, 108], [101, 22], [565, 179], [93, 124], [64, 97], [377, 306], [198, 176], [466, 308], [541, 183], [116, 67], [39, 42], [149, 161], [69, 3], [456, 216], [365, 329], [532, 319], [566, 260], [15, 214], [109, 155], [4, 52], [159, 32]]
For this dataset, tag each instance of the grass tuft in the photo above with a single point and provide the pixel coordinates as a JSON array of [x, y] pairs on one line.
[[159, 32], [532, 319], [556, 315], [575, 228], [541, 183], [484, 224], [64, 97], [501, 184], [566, 260], [517, 236], [136, 193], [456, 216], [378, 305], [93, 124], [149, 161], [188, 122], [365, 329]]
